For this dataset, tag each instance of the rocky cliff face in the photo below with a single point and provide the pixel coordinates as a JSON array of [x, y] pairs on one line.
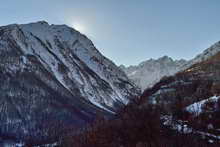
[[53, 75], [149, 72]]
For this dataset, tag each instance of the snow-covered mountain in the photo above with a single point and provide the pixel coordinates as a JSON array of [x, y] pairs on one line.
[[54, 74], [149, 72]]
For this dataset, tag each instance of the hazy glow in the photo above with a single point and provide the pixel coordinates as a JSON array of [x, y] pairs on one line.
[[128, 31], [79, 27]]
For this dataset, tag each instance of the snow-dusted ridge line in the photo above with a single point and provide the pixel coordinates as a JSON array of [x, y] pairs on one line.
[[196, 108], [149, 72]]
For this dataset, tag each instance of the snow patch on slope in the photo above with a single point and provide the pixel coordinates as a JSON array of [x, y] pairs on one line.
[[196, 108]]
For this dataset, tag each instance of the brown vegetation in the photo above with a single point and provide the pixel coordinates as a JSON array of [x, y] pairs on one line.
[[134, 127]]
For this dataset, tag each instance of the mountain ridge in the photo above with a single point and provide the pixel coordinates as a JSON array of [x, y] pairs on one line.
[[148, 73]]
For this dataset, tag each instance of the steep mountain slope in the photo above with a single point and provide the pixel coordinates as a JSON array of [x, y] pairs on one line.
[[209, 52], [52, 75], [149, 72]]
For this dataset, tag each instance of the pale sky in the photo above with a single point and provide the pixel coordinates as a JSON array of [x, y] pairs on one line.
[[128, 31]]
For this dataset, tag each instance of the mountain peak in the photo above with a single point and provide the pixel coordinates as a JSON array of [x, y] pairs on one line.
[[35, 24], [42, 22], [147, 73], [165, 59]]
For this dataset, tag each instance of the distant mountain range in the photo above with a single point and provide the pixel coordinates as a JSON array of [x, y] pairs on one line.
[[149, 72]]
